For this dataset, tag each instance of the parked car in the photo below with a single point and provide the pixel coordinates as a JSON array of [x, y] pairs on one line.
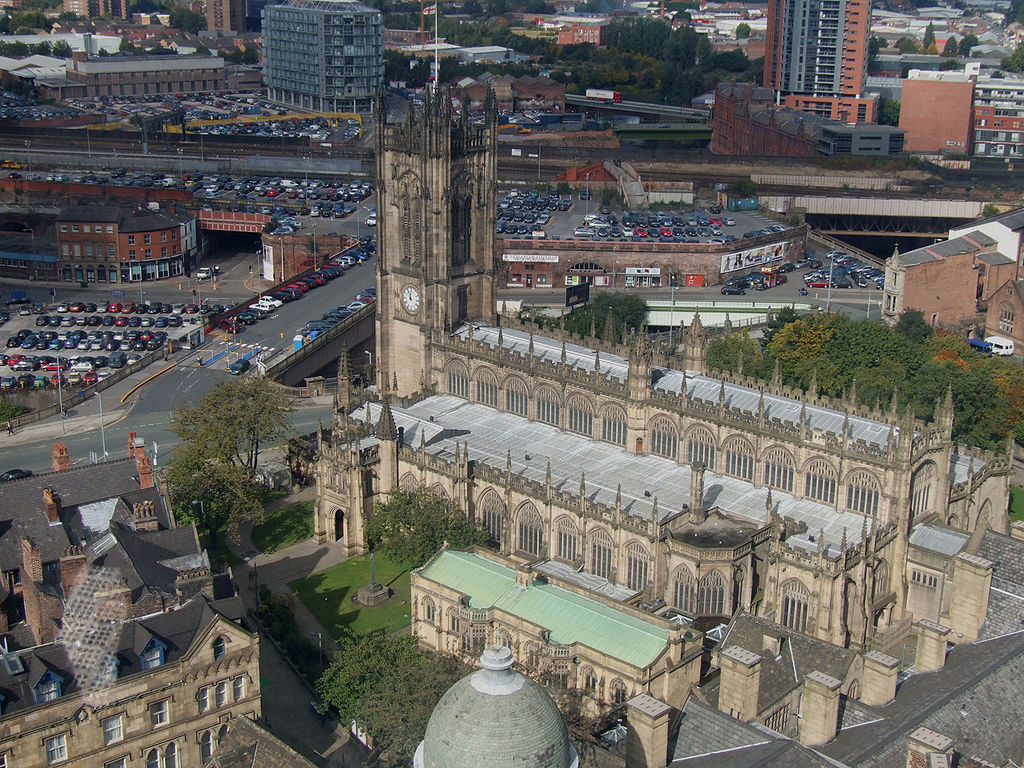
[[15, 474], [239, 367]]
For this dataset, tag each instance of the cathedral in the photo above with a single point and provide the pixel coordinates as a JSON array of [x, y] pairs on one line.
[[625, 473]]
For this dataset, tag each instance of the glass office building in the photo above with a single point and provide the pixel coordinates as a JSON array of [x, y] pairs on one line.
[[323, 55]]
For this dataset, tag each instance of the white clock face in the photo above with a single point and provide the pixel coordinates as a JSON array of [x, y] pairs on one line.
[[410, 298]]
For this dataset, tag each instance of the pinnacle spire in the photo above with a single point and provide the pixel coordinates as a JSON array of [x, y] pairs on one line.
[[386, 429]]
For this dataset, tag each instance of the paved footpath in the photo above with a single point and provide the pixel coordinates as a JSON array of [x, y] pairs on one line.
[[286, 699]]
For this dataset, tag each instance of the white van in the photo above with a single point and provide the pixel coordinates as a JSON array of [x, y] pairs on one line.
[[1000, 345]]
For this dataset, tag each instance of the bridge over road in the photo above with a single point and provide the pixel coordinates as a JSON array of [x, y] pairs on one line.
[[357, 333], [866, 215]]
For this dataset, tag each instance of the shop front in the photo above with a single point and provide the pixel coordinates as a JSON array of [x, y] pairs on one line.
[[643, 277], [531, 270]]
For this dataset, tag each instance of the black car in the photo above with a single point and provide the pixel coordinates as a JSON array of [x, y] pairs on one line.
[[15, 474], [733, 290]]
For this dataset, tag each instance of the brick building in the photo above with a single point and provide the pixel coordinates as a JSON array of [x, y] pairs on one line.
[[926, 95], [134, 76], [573, 30], [288, 255], [541, 93], [1004, 307], [108, 244], [225, 15], [946, 281]]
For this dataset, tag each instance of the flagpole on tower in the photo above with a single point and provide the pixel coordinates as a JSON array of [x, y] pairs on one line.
[[437, 66], [423, 32]]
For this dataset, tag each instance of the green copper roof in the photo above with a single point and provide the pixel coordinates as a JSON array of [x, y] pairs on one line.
[[569, 617]]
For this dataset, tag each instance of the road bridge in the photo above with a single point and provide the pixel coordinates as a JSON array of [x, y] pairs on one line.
[[688, 114], [357, 333], [232, 221], [883, 215]]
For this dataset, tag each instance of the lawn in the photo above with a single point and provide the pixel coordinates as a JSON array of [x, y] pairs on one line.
[[328, 594], [1016, 503], [284, 527]]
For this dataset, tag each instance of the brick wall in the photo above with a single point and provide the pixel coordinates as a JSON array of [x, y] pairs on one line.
[[944, 291]]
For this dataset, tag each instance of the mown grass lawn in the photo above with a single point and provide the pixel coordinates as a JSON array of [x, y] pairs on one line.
[[328, 595], [284, 527], [1016, 503]]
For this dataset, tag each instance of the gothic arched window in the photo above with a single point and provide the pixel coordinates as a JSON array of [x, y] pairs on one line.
[[568, 537], [664, 438], [493, 516], [778, 469], [862, 493], [739, 459], [794, 605], [581, 416], [613, 425], [820, 481], [701, 447], [637, 566], [531, 530], [601, 554], [684, 590], [711, 595]]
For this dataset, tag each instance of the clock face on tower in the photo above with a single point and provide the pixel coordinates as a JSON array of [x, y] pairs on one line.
[[410, 299]]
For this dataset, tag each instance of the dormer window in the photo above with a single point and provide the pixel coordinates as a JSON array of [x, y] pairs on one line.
[[49, 687], [219, 647], [153, 654]]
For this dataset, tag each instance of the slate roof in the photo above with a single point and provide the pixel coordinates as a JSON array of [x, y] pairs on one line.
[[801, 655], [936, 539], [177, 630], [152, 559], [957, 246], [1006, 595], [245, 740], [974, 700], [570, 617]]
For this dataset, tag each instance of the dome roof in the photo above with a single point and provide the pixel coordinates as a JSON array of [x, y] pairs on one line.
[[496, 717]]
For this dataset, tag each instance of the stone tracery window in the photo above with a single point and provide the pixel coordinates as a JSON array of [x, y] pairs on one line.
[[515, 396], [664, 438], [531, 530], [493, 516], [581, 415], [820, 481], [862, 493], [601, 554], [795, 598], [613, 425], [701, 447], [684, 590], [739, 459], [458, 379], [568, 537], [486, 389], [778, 469], [920, 490], [549, 406], [711, 594], [637, 566]]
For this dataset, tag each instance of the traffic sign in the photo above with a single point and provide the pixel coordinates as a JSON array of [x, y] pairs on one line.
[[116, 294]]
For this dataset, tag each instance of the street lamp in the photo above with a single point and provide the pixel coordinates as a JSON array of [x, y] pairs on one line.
[[202, 511], [588, 195], [671, 314], [28, 153], [60, 396], [181, 171], [103, 434], [320, 648]]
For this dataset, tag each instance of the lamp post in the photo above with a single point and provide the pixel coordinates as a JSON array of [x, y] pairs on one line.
[[202, 511], [103, 434], [320, 648], [671, 315], [60, 395], [369, 354], [181, 171], [28, 153], [588, 195]]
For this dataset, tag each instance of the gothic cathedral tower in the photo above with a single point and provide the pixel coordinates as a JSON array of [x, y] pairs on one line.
[[435, 234]]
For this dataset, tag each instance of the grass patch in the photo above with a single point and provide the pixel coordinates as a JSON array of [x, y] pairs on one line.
[[1016, 503], [328, 595], [284, 527], [219, 551]]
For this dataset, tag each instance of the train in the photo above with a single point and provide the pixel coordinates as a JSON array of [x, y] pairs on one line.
[[598, 94]]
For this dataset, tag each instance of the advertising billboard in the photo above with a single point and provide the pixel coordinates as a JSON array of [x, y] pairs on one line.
[[754, 257]]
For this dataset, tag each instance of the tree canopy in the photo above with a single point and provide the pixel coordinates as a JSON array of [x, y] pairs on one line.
[[389, 686], [226, 492], [929, 36], [411, 526], [627, 311], [742, 30], [187, 20], [910, 359]]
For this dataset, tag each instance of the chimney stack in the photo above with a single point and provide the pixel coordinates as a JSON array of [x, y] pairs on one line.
[[925, 747], [931, 646], [144, 516], [72, 568], [61, 458], [740, 683], [819, 709], [878, 685], [136, 446], [145, 472], [972, 577], [697, 492], [647, 734], [51, 505]]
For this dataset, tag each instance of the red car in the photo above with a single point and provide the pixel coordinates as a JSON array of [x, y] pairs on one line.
[[121, 321], [818, 284], [90, 377], [640, 232], [63, 365], [76, 306], [300, 287], [114, 307], [666, 231]]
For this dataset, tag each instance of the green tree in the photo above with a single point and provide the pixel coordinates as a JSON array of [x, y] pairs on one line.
[[912, 327], [186, 20], [225, 489], [62, 50], [628, 312], [967, 42], [907, 45], [126, 46], [390, 687], [743, 188], [888, 111], [950, 48], [742, 30], [411, 526], [929, 36], [875, 44], [1016, 60], [235, 420]]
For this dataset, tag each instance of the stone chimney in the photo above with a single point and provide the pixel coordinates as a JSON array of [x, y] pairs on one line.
[[928, 749], [524, 576], [136, 446], [697, 493], [145, 472], [647, 734], [931, 646], [73, 568], [772, 645], [144, 516], [191, 582], [972, 577], [878, 684], [740, 682], [51, 505], [819, 709], [113, 603], [61, 458], [31, 561]]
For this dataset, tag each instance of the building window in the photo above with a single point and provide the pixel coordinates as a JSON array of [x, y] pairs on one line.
[[121, 762], [153, 759], [206, 747], [613, 425], [549, 409], [926, 580], [794, 606], [487, 391], [219, 647], [862, 492], [63, 227], [86, 228], [48, 688], [590, 680], [163, 237], [567, 539], [159, 713], [664, 438], [778, 469], [453, 621], [637, 564], [153, 654], [1006, 317], [701, 448], [601, 555], [711, 595], [581, 416], [619, 694], [820, 481], [920, 490], [531, 531], [203, 697], [112, 729], [238, 688], [429, 611], [493, 516], [739, 459], [56, 748], [147, 239], [684, 591], [458, 381], [74, 227], [222, 693], [131, 239], [515, 397]]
